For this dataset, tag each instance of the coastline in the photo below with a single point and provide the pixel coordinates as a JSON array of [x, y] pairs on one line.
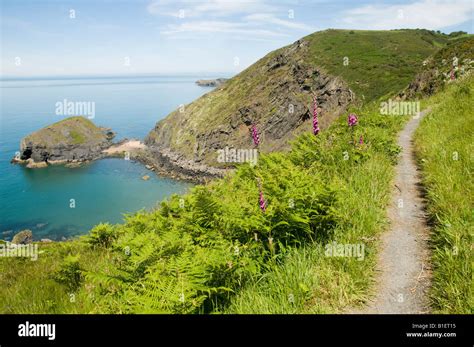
[[162, 161]]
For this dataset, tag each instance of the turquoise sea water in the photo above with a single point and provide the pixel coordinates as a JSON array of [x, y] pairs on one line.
[[40, 199]]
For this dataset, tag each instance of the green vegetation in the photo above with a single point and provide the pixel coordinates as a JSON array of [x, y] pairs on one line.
[[445, 152], [214, 250], [379, 62], [217, 251], [455, 60], [73, 130]]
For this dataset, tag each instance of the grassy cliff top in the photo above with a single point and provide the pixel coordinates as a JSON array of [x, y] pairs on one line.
[[75, 130], [379, 62], [372, 64]]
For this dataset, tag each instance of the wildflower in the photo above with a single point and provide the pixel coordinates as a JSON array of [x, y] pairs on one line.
[[361, 140], [315, 117], [255, 136], [352, 120], [453, 77], [261, 199], [262, 203]]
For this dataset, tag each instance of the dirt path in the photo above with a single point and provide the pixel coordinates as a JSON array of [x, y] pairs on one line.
[[403, 261]]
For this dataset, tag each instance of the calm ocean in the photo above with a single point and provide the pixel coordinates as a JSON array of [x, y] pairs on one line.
[[103, 190]]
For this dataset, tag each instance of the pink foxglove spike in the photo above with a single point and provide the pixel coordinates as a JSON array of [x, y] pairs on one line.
[[352, 120], [315, 117], [255, 135], [261, 200]]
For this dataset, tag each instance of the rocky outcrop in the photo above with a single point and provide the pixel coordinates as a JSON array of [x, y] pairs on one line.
[[166, 163], [211, 83], [453, 62], [72, 140], [274, 95], [23, 237]]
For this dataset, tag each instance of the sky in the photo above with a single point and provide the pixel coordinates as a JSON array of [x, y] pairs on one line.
[[122, 37]]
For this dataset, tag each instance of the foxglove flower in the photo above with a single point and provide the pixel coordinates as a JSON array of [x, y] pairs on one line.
[[262, 203], [352, 120], [315, 117], [361, 140], [255, 136], [261, 199]]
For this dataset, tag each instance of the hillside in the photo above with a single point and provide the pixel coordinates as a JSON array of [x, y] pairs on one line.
[[453, 61], [257, 240], [275, 94]]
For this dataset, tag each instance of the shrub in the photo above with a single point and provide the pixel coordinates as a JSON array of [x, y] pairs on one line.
[[70, 273], [102, 235]]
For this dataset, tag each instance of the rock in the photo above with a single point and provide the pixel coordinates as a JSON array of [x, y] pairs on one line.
[[24, 237], [31, 164], [146, 178], [7, 232], [274, 94], [211, 83], [46, 240], [75, 164], [74, 139], [149, 167]]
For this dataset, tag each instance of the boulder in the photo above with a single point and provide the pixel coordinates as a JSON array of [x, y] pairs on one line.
[[24, 237]]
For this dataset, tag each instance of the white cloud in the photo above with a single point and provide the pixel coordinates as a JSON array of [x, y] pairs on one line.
[[253, 19], [427, 14], [220, 27], [213, 8], [266, 18]]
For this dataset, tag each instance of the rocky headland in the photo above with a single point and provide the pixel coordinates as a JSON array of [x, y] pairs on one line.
[[274, 95], [71, 141], [211, 83]]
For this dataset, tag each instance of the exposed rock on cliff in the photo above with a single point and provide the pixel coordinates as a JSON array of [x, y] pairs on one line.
[[275, 94], [74, 139], [452, 62], [211, 83]]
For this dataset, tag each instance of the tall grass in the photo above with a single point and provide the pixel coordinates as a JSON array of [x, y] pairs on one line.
[[444, 146], [216, 251]]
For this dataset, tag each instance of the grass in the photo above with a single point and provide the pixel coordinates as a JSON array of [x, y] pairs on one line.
[[183, 260], [379, 62], [72, 130], [324, 284], [444, 146], [215, 251]]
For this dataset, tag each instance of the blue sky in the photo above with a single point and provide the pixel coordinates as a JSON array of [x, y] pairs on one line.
[[57, 37]]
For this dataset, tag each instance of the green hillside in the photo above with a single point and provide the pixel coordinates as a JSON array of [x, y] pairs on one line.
[[379, 62], [275, 94], [255, 241]]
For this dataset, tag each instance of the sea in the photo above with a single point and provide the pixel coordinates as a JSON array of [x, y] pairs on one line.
[[59, 203]]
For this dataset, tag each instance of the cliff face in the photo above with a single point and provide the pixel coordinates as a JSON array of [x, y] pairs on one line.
[[72, 139], [275, 95]]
